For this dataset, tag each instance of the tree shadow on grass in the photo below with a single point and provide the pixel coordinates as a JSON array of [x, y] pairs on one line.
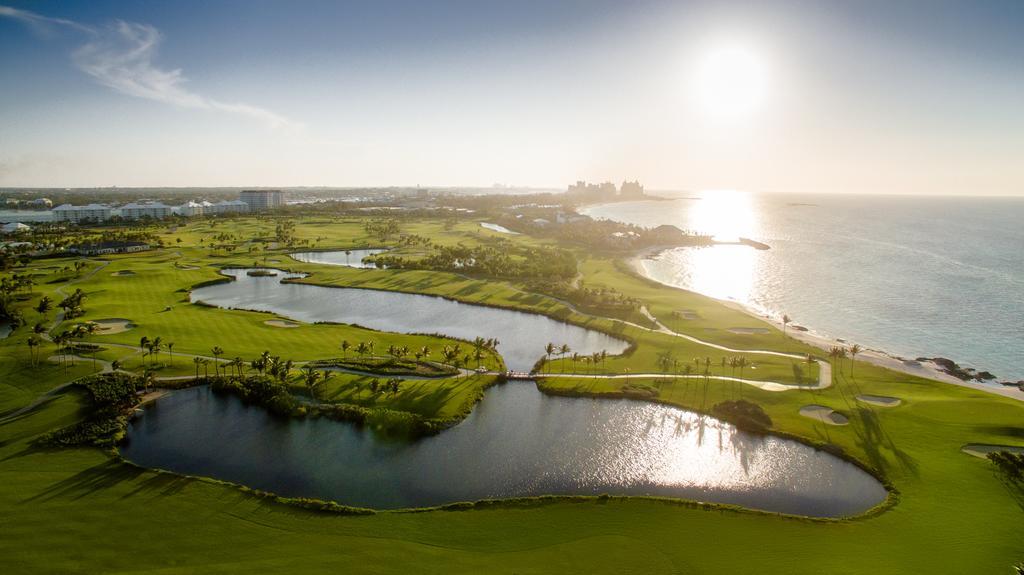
[[101, 476], [159, 484], [872, 438]]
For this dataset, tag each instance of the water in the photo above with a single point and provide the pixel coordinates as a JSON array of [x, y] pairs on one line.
[[914, 276], [517, 442], [498, 228], [351, 258], [522, 336], [5, 329], [25, 216]]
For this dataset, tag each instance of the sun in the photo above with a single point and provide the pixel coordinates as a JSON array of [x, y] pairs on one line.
[[731, 80]]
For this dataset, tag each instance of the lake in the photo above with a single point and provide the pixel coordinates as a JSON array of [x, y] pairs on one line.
[[522, 336], [516, 442], [349, 258]]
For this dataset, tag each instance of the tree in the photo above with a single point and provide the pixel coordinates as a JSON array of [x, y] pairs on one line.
[[197, 361], [549, 350], [785, 321], [44, 306], [33, 342], [170, 351], [217, 352], [854, 350], [311, 377], [115, 365], [143, 346], [345, 346]]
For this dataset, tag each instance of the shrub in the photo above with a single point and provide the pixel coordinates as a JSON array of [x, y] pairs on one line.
[[743, 414]]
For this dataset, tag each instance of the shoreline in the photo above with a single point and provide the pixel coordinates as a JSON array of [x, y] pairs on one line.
[[880, 358]]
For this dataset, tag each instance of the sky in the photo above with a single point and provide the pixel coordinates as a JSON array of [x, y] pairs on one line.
[[893, 97]]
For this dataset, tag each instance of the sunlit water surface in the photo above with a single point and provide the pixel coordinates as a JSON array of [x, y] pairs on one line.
[[346, 258], [517, 442], [915, 276], [522, 336]]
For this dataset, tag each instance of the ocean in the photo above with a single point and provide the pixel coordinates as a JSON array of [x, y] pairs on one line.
[[909, 275]]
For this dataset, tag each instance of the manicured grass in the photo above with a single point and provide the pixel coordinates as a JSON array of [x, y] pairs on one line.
[[78, 510]]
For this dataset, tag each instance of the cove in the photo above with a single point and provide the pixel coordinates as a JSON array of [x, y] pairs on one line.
[[516, 442], [522, 335]]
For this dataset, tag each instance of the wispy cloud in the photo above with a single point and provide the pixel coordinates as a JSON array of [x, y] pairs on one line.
[[120, 56]]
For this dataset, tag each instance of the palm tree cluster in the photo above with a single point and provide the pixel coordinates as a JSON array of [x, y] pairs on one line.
[[391, 385], [72, 304]]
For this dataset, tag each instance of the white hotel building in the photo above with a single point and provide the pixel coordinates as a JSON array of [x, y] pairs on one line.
[[91, 212], [155, 210]]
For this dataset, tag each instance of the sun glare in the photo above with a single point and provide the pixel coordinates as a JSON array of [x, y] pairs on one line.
[[731, 80]]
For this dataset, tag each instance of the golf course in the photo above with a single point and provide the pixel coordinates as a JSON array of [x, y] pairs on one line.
[[401, 354]]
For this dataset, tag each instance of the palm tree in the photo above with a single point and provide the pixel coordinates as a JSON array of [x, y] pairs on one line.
[[158, 344], [361, 348], [217, 352], [115, 365], [32, 342], [197, 360], [854, 350], [170, 351], [44, 306], [345, 345], [785, 321], [741, 363], [549, 350], [311, 376], [143, 344]]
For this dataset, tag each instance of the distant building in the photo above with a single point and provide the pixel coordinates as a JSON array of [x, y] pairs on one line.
[[631, 190], [226, 207], [261, 200], [155, 210], [88, 213], [112, 247], [40, 203], [190, 208], [14, 228]]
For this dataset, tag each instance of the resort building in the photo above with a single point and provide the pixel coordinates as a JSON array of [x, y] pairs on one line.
[[112, 247], [260, 200], [191, 208], [87, 213], [155, 210], [226, 207], [14, 228], [40, 203]]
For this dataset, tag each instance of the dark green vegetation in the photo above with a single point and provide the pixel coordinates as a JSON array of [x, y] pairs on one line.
[[78, 509]]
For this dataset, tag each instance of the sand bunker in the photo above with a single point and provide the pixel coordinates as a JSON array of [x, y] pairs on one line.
[[824, 414], [112, 325], [749, 330], [688, 314], [880, 400], [123, 273], [282, 323], [188, 267], [983, 449]]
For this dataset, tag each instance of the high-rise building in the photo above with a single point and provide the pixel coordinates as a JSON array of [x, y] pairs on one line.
[[260, 200]]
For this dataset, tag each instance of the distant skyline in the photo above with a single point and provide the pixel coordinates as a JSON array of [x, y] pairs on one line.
[[910, 97]]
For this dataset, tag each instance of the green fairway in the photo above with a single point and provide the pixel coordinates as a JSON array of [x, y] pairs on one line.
[[84, 510]]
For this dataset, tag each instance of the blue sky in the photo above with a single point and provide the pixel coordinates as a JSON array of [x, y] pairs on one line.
[[870, 97]]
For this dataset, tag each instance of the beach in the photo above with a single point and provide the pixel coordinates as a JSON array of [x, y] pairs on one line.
[[926, 369]]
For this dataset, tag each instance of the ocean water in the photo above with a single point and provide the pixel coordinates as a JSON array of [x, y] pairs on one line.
[[913, 276]]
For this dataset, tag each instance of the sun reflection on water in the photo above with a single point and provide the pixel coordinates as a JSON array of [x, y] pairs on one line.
[[725, 271]]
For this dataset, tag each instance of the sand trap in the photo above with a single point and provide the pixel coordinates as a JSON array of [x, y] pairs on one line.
[[824, 414], [749, 330], [880, 400], [123, 273], [983, 449], [112, 325], [188, 267], [688, 314], [282, 323]]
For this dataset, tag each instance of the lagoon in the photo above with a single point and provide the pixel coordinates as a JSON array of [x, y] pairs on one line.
[[522, 335], [516, 442], [346, 258]]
